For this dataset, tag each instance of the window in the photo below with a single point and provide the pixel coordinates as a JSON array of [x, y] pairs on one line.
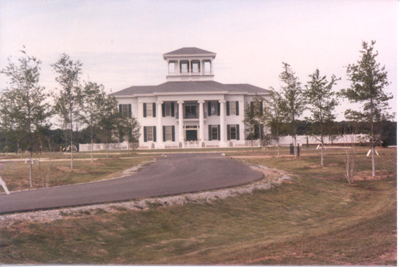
[[207, 67], [214, 132], [195, 66], [213, 108], [184, 66], [171, 67], [149, 133], [168, 109], [190, 112], [257, 108], [149, 109], [125, 110], [169, 133], [233, 131], [232, 108]]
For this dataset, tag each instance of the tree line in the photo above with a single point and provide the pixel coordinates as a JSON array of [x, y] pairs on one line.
[[368, 81], [26, 109]]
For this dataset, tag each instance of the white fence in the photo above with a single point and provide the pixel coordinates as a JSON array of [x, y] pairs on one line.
[[339, 139], [112, 146]]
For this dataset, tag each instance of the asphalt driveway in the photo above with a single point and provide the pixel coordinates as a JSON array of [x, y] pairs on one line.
[[170, 175]]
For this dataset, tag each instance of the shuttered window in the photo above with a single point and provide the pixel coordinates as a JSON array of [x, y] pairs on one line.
[[168, 133], [214, 132], [168, 109], [149, 110], [213, 108], [125, 110], [233, 132], [232, 108], [149, 133]]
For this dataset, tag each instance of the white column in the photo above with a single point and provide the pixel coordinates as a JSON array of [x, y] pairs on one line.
[[201, 119], [222, 123], [180, 126], [159, 124], [241, 116]]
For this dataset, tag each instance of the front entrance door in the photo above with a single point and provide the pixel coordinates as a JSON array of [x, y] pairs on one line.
[[191, 135]]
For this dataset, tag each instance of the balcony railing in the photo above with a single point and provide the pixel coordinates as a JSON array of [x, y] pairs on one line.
[[191, 116]]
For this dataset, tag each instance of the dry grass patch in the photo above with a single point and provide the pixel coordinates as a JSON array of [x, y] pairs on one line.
[[57, 173], [379, 175], [68, 169]]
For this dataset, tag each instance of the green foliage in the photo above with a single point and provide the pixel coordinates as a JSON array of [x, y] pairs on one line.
[[69, 99], [93, 96], [23, 109], [322, 101], [293, 96], [109, 119], [321, 98], [274, 115], [252, 118], [368, 82]]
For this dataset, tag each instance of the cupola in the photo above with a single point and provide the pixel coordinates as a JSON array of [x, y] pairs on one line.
[[190, 64]]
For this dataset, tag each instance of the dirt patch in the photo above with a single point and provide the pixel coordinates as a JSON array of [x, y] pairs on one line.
[[332, 164], [314, 166], [317, 166], [332, 178], [68, 169], [97, 164], [367, 175], [389, 256]]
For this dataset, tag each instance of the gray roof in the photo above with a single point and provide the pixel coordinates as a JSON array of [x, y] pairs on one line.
[[189, 51], [191, 87]]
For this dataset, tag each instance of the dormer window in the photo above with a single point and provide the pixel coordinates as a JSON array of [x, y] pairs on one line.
[[184, 66]]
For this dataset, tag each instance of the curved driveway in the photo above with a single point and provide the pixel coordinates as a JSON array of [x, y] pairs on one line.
[[170, 175]]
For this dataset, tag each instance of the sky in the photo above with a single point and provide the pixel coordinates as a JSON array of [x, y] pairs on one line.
[[121, 42]]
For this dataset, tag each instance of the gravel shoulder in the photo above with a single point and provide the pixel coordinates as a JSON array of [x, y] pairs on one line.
[[272, 177]]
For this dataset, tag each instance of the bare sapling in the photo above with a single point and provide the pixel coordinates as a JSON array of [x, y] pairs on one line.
[[350, 163]]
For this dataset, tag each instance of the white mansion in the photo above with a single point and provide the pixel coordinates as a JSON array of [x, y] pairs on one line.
[[190, 109]]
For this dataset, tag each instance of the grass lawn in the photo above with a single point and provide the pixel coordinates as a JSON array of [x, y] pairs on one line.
[[315, 219]]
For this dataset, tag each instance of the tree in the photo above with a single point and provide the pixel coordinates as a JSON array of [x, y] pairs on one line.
[[23, 103], [128, 128], [109, 120], [322, 101], [67, 103], [368, 82], [293, 95], [252, 117], [93, 97], [273, 115]]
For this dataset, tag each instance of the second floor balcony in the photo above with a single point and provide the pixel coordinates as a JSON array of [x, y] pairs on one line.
[[191, 112]]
